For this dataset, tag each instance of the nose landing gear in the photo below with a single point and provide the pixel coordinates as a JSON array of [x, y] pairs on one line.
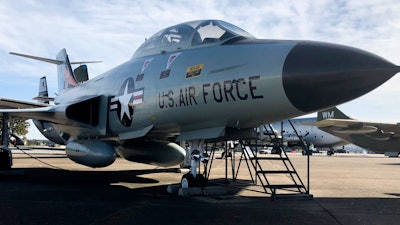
[[193, 179]]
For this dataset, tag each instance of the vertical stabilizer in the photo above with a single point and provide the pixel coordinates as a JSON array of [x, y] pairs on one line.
[[66, 77], [43, 96], [43, 92], [332, 113]]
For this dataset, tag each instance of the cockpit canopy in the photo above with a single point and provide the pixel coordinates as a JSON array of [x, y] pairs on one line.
[[190, 35]]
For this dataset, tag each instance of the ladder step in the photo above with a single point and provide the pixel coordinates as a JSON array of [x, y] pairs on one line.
[[300, 196], [281, 186], [275, 171], [268, 158]]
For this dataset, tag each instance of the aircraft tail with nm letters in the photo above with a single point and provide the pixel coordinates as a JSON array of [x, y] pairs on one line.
[[332, 113]]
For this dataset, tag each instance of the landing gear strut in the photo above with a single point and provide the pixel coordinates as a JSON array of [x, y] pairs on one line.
[[5, 152], [193, 179]]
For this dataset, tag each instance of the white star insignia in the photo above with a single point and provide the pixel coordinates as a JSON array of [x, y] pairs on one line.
[[124, 102]]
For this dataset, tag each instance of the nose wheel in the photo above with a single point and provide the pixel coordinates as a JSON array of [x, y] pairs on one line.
[[192, 179], [188, 181]]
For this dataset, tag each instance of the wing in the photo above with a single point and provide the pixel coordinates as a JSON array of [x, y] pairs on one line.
[[28, 110], [377, 137], [351, 126], [86, 114], [6, 103]]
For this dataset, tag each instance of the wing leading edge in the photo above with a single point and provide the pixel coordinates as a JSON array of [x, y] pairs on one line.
[[88, 113], [6, 103]]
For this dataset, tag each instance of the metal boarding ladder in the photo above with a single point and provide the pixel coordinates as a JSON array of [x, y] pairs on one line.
[[293, 188]]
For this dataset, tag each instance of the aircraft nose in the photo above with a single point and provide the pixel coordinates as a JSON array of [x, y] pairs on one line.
[[320, 75]]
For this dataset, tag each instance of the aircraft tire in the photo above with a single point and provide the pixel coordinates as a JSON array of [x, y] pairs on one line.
[[4, 160], [201, 180], [188, 181]]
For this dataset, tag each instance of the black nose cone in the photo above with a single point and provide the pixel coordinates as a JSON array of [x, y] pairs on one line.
[[320, 75]]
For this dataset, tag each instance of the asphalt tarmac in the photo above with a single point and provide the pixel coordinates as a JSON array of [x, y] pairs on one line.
[[347, 189]]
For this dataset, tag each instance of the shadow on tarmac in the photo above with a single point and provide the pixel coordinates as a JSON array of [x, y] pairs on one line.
[[48, 196], [390, 164]]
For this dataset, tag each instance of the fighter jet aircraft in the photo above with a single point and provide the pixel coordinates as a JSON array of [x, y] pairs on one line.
[[192, 82], [376, 137]]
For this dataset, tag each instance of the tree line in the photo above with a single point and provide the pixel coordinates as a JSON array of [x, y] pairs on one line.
[[17, 126]]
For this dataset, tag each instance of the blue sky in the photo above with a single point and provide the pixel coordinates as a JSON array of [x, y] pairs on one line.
[[111, 31]]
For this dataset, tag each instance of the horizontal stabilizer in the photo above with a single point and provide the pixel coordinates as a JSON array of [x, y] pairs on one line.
[[66, 77], [54, 61], [85, 62], [44, 99], [58, 62]]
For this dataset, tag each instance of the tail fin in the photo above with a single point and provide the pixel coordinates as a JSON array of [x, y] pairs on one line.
[[43, 96], [43, 87], [65, 74], [66, 77], [332, 113]]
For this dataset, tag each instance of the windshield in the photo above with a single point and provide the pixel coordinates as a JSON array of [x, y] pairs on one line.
[[190, 35]]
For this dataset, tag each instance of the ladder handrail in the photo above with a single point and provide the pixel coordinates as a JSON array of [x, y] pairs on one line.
[[255, 165], [280, 146], [277, 145]]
